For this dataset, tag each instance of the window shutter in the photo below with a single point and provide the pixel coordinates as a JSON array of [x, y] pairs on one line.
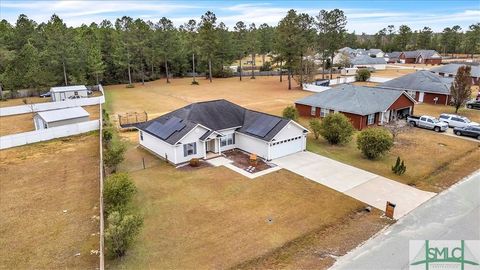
[[184, 150], [233, 135], [194, 148]]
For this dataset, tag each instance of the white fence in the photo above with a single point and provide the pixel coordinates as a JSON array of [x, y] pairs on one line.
[[9, 141], [379, 79], [341, 80], [314, 88], [38, 107]]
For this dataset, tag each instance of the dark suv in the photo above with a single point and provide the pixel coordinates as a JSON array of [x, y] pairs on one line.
[[474, 104], [470, 131]]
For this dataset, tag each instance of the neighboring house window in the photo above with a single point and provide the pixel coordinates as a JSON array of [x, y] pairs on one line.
[[324, 112], [189, 149], [313, 110], [141, 136], [75, 93], [227, 140], [371, 119]]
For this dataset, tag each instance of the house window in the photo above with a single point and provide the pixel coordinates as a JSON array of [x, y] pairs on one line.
[[227, 140], [189, 149], [141, 136], [75, 93], [313, 110], [324, 112], [371, 119]]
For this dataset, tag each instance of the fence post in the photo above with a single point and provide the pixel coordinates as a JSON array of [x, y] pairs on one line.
[[102, 224]]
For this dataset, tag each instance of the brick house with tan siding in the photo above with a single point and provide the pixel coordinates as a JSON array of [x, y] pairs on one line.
[[364, 106], [423, 86]]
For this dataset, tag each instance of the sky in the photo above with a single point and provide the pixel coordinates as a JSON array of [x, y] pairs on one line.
[[363, 16]]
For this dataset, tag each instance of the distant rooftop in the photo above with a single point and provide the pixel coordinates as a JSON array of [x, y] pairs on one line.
[[354, 99], [422, 80], [63, 114], [69, 88], [452, 69]]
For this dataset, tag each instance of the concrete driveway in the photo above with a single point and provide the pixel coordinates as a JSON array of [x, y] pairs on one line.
[[364, 186], [449, 132]]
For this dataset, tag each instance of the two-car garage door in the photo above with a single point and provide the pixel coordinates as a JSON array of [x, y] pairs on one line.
[[286, 147]]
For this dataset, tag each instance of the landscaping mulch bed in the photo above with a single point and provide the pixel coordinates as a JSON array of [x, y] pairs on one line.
[[242, 160], [202, 164]]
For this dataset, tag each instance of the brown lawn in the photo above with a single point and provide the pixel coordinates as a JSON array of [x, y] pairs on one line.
[[19, 101], [24, 122], [214, 218], [266, 94], [38, 183]]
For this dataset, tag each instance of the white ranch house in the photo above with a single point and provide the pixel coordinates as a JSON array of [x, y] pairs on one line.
[[206, 129]]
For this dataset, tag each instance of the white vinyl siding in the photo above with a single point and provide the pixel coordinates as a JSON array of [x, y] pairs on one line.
[[252, 145], [159, 147]]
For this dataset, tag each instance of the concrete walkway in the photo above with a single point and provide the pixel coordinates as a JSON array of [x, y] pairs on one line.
[[453, 214], [364, 186]]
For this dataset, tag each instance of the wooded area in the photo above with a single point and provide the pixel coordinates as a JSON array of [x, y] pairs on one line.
[[37, 56]]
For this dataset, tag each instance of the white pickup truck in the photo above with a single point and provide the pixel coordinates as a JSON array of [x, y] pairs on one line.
[[428, 122]]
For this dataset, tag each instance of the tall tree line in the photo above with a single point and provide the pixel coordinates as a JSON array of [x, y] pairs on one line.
[[128, 50]]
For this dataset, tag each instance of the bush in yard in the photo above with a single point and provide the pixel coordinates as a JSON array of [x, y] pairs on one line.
[[362, 75], [118, 192], [399, 168], [121, 232], [374, 142], [114, 154], [336, 128], [107, 135], [290, 112], [316, 127]]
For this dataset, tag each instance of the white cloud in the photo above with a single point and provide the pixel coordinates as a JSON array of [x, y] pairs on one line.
[[365, 20]]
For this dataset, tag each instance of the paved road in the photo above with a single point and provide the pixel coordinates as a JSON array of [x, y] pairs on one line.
[[364, 186], [453, 214]]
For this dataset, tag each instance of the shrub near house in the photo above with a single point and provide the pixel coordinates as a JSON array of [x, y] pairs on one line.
[[374, 142]]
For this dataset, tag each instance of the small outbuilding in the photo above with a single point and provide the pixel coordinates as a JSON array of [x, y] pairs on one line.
[[61, 93], [364, 106], [61, 117]]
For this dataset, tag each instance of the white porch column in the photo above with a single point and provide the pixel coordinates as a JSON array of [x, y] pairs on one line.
[[204, 149], [219, 149], [381, 118]]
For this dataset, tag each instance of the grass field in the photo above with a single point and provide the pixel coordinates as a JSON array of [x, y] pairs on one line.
[[265, 94], [38, 183], [24, 122], [214, 218]]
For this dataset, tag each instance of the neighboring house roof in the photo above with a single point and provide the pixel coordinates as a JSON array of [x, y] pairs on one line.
[[215, 115], [429, 54], [374, 51], [393, 54], [425, 54], [68, 88], [410, 54], [360, 100], [453, 68], [422, 80], [63, 114], [367, 60]]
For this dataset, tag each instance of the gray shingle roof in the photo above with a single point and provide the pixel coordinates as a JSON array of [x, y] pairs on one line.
[[394, 54], [453, 68], [367, 60], [354, 99], [215, 115], [425, 54], [423, 80]]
